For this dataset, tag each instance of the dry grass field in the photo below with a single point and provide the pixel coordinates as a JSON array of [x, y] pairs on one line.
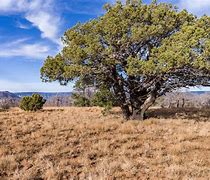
[[80, 143]]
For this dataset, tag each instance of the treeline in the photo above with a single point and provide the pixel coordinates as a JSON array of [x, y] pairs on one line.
[[6, 103], [55, 101], [184, 100], [103, 98]]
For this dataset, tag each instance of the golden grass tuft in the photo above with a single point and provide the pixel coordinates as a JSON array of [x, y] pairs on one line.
[[80, 143]]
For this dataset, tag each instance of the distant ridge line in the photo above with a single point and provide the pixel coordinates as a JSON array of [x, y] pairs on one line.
[[46, 95], [7, 94]]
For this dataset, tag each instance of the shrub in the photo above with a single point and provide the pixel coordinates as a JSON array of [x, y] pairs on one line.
[[104, 98], [80, 100], [33, 103]]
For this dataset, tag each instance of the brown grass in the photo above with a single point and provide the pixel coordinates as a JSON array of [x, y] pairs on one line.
[[79, 143]]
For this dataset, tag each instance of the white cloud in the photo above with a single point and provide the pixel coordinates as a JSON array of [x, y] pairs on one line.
[[41, 13], [47, 24], [198, 7], [22, 48], [23, 26]]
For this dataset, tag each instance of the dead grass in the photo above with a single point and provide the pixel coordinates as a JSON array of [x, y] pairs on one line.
[[79, 143]]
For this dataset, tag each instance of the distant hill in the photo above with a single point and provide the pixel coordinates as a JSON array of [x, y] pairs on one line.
[[7, 94], [46, 95], [199, 92]]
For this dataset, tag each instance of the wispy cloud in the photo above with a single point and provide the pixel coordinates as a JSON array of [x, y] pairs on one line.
[[41, 13], [198, 7], [22, 48], [23, 26]]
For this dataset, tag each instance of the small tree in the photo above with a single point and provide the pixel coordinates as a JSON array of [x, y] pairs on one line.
[[138, 51], [80, 100], [103, 98], [33, 103]]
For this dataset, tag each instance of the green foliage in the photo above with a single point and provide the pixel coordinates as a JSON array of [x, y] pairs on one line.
[[107, 109], [92, 47], [137, 50], [103, 98], [80, 100], [33, 103], [120, 26]]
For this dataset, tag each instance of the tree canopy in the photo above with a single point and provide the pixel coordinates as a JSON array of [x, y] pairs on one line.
[[138, 51]]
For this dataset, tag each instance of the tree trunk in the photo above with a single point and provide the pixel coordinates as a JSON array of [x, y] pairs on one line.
[[183, 102], [135, 114], [177, 104], [126, 112], [148, 103], [140, 114], [120, 94]]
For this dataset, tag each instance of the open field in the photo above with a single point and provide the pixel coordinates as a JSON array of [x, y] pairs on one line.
[[80, 143]]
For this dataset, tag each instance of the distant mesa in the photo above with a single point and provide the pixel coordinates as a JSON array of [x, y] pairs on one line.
[[46, 95], [8, 95]]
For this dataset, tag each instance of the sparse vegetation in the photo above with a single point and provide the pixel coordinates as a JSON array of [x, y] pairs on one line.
[[33, 103], [5, 104], [80, 100], [184, 99], [103, 98], [59, 101], [121, 63], [80, 143]]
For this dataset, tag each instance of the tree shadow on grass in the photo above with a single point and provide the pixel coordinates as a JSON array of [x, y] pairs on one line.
[[4, 110], [52, 110], [180, 113]]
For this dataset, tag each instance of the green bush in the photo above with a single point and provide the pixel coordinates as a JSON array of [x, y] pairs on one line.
[[80, 100], [33, 103], [104, 98]]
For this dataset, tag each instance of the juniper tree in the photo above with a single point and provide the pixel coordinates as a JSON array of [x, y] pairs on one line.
[[138, 51], [33, 103]]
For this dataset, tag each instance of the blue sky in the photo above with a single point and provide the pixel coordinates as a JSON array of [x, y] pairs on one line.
[[30, 30]]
